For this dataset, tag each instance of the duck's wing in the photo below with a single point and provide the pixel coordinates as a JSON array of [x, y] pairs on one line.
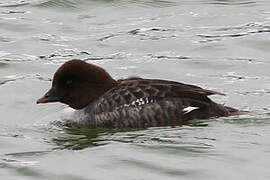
[[180, 87], [167, 89], [138, 92]]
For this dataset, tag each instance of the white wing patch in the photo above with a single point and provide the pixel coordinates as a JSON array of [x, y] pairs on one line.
[[189, 109], [141, 101]]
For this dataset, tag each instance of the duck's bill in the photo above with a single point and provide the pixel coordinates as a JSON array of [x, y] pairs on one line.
[[50, 96]]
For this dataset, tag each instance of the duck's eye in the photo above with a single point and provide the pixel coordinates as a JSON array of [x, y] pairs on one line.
[[68, 82]]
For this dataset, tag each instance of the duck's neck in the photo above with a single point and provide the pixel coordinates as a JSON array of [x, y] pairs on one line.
[[109, 84]]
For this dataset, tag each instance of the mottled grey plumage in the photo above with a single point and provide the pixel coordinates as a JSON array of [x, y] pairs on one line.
[[140, 103]]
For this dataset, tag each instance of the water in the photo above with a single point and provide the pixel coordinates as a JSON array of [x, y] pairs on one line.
[[221, 45]]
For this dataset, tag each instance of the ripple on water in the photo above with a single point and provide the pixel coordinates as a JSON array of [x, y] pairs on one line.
[[11, 11], [61, 55], [15, 3], [4, 39], [16, 77], [8, 57], [25, 169], [150, 33], [58, 3], [232, 2], [73, 4], [235, 31]]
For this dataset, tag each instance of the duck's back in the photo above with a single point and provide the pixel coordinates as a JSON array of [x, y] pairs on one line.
[[137, 102]]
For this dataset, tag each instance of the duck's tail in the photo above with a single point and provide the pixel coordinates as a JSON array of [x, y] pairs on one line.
[[234, 112]]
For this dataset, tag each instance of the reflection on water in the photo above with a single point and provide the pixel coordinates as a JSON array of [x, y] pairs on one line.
[[77, 138]]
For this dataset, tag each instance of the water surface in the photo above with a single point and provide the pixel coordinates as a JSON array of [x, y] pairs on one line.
[[221, 45]]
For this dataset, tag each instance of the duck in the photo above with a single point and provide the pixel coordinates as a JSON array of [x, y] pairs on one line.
[[133, 102]]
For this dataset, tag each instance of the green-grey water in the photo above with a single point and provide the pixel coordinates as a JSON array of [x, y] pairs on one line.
[[221, 45]]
